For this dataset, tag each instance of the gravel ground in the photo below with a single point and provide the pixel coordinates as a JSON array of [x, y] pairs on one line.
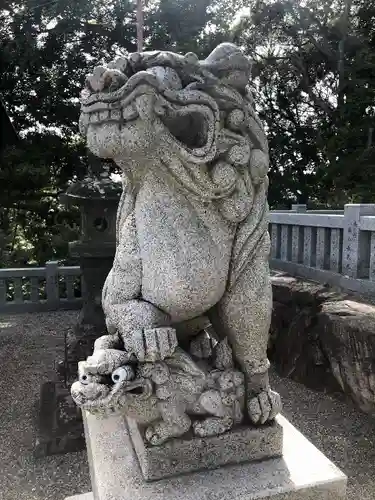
[[28, 347], [29, 344], [345, 435]]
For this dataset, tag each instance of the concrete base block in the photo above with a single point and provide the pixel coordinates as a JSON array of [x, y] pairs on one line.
[[303, 473], [84, 496], [180, 456]]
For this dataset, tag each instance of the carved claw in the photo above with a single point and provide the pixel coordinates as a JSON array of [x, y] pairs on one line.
[[264, 407], [156, 434], [154, 344]]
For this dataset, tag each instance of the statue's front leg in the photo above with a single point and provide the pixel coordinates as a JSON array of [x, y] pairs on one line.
[[244, 316], [174, 422]]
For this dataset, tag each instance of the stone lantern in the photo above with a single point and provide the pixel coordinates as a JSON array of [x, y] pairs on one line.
[[60, 428], [97, 196]]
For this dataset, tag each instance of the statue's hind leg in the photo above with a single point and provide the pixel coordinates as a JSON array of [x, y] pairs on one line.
[[244, 315]]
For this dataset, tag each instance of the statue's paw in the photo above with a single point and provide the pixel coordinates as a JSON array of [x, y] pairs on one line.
[[154, 344], [105, 361], [156, 435], [264, 407]]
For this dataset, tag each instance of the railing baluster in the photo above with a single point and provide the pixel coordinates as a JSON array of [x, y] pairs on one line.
[[307, 245], [296, 243], [52, 283], [18, 295], [284, 243], [335, 250], [83, 286], [69, 282], [3, 291], [321, 247], [274, 241], [372, 257], [34, 289]]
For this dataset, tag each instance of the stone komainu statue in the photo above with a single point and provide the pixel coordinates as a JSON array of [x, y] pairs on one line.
[[192, 227]]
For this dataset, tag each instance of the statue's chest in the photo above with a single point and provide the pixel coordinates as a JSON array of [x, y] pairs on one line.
[[185, 250]]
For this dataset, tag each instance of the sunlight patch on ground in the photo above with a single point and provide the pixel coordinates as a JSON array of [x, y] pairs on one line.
[[6, 324]]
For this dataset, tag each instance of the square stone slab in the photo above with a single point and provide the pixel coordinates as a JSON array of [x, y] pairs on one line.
[[303, 472], [180, 456]]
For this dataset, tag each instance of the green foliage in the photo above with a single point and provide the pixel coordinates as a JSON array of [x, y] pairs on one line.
[[46, 49], [315, 81]]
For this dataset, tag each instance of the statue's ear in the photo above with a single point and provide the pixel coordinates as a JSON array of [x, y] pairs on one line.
[[191, 124]]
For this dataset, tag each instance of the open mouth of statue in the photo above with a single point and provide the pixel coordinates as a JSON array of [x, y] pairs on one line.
[[186, 120], [138, 388]]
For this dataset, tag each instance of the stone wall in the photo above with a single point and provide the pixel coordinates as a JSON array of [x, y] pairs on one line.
[[324, 338]]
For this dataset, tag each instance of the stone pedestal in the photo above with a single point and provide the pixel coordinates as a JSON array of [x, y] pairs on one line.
[[303, 472], [183, 455]]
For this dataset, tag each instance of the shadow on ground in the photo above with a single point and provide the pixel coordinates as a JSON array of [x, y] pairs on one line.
[[29, 347]]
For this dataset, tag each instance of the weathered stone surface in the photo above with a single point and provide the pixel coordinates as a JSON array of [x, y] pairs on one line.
[[294, 346], [243, 444], [192, 240], [347, 338], [324, 338], [303, 473], [170, 396]]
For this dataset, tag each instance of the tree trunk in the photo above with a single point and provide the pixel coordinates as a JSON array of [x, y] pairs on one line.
[[344, 22], [139, 25]]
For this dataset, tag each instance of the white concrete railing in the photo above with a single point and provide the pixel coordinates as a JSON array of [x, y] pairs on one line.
[[333, 247], [40, 288]]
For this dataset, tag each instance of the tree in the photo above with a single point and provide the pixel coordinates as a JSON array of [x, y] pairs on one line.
[[46, 49], [313, 80], [314, 62]]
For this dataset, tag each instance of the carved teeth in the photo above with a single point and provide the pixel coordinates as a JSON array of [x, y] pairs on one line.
[[103, 115], [94, 117], [115, 114]]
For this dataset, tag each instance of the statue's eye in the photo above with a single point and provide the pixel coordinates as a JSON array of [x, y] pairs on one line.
[[122, 374]]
